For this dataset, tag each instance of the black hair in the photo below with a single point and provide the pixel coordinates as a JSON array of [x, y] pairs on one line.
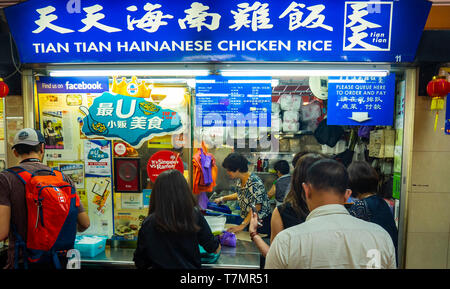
[[298, 156], [282, 166], [363, 178], [296, 196], [328, 174], [235, 162], [24, 149], [172, 204]]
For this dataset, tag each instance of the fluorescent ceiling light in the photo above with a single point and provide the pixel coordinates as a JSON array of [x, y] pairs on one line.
[[305, 72], [110, 72]]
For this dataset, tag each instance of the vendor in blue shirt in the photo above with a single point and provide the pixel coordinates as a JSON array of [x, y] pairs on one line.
[[281, 185], [249, 191]]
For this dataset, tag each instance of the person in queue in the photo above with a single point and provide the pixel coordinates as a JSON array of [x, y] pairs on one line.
[[29, 149], [368, 205], [170, 236], [330, 237], [292, 211], [282, 184], [250, 191]]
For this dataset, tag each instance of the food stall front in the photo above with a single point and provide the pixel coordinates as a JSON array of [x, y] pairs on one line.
[[123, 91]]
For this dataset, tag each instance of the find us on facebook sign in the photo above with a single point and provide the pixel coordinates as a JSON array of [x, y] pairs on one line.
[[361, 100], [46, 84], [75, 31]]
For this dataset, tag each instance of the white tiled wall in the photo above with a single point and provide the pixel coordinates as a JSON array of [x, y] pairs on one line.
[[428, 228]]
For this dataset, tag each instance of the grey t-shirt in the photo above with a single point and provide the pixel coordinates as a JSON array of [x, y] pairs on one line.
[[282, 186], [12, 194]]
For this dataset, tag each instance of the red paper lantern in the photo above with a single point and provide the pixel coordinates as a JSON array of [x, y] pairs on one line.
[[4, 89], [438, 87]]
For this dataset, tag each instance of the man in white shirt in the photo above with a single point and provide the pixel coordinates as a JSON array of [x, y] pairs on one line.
[[330, 238]]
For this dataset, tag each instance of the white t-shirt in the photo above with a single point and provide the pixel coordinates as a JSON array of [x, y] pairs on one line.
[[331, 238]]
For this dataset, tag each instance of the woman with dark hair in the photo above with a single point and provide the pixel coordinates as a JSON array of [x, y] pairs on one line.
[[369, 206], [170, 235], [293, 211], [250, 191]]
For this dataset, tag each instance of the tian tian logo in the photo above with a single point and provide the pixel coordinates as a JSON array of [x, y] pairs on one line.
[[368, 26]]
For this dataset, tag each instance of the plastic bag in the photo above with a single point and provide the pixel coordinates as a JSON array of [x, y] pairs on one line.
[[228, 239], [290, 102]]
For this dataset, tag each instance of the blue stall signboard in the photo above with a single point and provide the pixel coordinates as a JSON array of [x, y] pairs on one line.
[[233, 101], [62, 31], [361, 100]]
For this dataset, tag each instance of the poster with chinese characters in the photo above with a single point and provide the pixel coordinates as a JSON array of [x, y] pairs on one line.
[[130, 119], [97, 158]]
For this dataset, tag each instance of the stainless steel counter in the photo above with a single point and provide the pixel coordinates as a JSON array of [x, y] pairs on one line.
[[244, 256]]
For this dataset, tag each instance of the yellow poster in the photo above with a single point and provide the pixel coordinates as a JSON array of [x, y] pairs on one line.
[[100, 206], [128, 223]]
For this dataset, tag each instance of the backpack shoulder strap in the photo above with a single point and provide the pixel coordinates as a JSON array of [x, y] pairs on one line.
[[24, 175], [59, 175], [53, 172]]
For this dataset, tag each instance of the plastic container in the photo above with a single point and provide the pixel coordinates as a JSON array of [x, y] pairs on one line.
[[207, 258], [90, 246], [230, 218], [219, 208], [216, 223]]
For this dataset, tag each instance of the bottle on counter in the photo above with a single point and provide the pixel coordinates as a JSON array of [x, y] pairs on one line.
[[259, 165], [266, 165]]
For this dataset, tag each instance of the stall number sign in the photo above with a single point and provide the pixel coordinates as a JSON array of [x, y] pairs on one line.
[[361, 100], [133, 120]]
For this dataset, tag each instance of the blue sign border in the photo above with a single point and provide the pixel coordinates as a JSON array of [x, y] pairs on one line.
[[117, 31]]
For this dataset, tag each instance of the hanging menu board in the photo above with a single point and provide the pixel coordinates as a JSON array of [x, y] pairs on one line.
[[233, 101]]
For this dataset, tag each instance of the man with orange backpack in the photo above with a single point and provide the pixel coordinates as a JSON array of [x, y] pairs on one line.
[[40, 210]]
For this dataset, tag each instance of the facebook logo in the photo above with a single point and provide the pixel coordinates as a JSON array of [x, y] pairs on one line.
[[368, 26]]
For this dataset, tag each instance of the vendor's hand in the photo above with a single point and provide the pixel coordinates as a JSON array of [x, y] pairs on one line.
[[253, 223], [236, 229], [218, 200], [218, 249]]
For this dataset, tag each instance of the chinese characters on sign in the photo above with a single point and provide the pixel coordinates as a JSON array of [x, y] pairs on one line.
[[206, 30], [130, 119], [255, 17], [363, 31], [361, 100]]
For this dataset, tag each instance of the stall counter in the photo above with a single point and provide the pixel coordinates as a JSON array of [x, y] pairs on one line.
[[244, 256]]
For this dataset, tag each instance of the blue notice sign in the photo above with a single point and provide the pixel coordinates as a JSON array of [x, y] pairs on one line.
[[361, 100], [233, 101]]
